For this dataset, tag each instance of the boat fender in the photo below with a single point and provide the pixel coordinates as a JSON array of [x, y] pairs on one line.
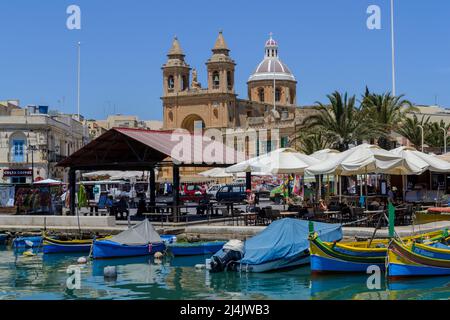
[[110, 273], [200, 266], [82, 260], [28, 254]]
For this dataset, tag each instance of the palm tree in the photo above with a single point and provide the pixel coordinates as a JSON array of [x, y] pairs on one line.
[[434, 134], [340, 120], [311, 141], [388, 112], [411, 131]]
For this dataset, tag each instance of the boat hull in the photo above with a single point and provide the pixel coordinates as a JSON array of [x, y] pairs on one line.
[[279, 264], [407, 261], [3, 238], [23, 242], [326, 258], [51, 246], [207, 248], [105, 249]]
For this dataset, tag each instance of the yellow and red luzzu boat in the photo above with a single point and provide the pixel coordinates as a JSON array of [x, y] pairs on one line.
[[418, 259]]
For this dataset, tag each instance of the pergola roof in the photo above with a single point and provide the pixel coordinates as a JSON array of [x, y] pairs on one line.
[[139, 149]]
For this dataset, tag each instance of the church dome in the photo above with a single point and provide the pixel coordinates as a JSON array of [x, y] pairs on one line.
[[272, 67]]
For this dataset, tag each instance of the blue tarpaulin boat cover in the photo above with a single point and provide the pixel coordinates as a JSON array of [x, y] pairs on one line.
[[286, 238]]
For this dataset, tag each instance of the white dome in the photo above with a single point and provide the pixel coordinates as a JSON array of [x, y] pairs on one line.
[[272, 67]]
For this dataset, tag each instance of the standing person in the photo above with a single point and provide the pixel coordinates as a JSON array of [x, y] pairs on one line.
[[251, 200]]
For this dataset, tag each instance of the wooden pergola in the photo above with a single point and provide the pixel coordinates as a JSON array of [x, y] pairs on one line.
[[125, 149]]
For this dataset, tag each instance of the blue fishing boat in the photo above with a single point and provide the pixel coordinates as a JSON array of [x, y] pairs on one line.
[[3, 238], [283, 244], [140, 240], [51, 245], [27, 242], [196, 248]]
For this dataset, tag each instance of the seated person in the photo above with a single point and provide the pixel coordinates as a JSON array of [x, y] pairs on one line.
[[322, 205], [375, 204]]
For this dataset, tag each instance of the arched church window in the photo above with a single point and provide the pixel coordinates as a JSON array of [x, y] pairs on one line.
[[216, 79], [171, 116], [229, 80], [261, 94], [277, 94], [170, 82], [184, 83]]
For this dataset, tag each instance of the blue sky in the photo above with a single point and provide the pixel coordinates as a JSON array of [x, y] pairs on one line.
[[124, 43]]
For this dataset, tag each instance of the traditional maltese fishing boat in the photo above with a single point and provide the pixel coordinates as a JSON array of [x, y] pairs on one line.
[[418, 259], [354, 256], [140, 240], [51, 245]]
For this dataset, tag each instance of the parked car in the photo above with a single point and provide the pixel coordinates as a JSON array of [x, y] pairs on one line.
[[192, 192], [231, 193], [212, 191]]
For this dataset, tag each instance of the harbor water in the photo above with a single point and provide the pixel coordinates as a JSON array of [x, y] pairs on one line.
[[45, 278]]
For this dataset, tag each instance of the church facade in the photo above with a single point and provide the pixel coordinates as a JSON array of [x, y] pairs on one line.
[[265, 120], [187, 104]]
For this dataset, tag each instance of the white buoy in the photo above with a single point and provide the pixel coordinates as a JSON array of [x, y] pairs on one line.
[[82, 260], [158, 255], [110, 273]]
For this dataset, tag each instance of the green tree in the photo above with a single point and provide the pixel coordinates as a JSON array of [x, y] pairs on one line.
[[387, 112], [411, 131], [435, 135], [341, 120], [310, 141]]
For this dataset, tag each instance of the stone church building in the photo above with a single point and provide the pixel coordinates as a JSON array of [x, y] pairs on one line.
[[189, 105]]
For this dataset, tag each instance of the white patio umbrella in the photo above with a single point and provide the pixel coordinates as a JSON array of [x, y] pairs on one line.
[[361, 159], [49, 181], [420, 162], [280, 161], [325, 154]]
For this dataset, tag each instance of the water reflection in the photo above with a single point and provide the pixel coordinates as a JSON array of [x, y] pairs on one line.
[[44, 277]]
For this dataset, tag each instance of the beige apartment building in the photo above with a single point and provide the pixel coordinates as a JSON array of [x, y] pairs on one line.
[[98, 127], [33, 140]]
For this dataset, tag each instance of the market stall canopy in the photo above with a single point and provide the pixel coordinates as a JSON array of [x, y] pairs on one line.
[[114, 175], [365, 158], [325, 154], [420, 162], [139, 149], [49, 182], [221, 173], [280, 161]]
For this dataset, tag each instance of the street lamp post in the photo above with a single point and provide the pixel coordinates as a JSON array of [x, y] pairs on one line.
[[421, 130], [32, 149]]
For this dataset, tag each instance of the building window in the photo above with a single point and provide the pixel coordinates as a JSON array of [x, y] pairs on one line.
[[284, 142], [261, 94], [18, 180], [229, 80], [277, 94], [18, 150], [184, 85], [170, 82], [216, 79]]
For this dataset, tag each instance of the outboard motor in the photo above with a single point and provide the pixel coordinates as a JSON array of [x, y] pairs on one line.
[[226, 258]]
